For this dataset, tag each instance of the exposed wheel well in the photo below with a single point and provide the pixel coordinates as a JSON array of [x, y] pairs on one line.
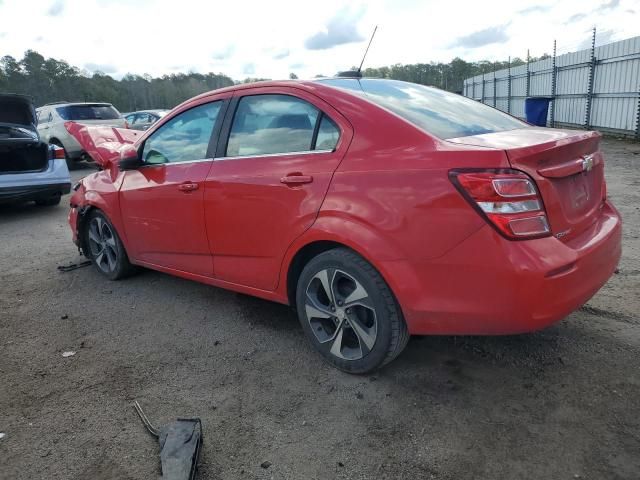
[[82, 221], [55, 141], [300, 259]]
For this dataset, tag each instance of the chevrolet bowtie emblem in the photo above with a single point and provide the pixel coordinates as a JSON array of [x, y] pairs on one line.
[[587, 163]]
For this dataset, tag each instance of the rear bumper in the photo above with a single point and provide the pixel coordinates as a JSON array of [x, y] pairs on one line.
[[53, 180], [32, 192], [489, 286]]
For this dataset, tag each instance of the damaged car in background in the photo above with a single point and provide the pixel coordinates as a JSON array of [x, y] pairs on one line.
[[54, 117], [378, 209], [30, 169]]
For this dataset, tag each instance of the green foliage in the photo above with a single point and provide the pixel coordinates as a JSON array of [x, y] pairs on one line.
[[50, 80], [449, 76]]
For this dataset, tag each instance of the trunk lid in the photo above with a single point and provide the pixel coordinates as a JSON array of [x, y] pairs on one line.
[[17, 111], [567, 166]]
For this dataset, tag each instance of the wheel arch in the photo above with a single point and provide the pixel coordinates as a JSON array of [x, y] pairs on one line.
[[319, 239]]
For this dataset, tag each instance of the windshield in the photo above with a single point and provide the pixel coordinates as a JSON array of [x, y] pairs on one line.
[[88, 112], [443, 114]]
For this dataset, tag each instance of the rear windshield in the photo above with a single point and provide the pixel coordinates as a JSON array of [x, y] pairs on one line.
[[441, 113], [88, 112]]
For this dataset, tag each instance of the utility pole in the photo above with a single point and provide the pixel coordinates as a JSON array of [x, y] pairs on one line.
[[554, 72], [592, 71]]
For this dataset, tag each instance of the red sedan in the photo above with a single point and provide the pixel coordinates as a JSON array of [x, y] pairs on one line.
[[377, 208]]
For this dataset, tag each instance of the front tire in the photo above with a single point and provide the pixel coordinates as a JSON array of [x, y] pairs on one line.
[[104, 248], [349, 313]]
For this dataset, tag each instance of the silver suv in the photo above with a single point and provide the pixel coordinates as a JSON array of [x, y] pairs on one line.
[[53, 116]]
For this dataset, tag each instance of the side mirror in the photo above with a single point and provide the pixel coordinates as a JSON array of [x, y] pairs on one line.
[[129, 159]]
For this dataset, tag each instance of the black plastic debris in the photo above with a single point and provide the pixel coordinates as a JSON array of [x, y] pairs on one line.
[[180, 444], [73, 266]]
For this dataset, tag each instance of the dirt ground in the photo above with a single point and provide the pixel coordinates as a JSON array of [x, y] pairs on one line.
[[563, 403]]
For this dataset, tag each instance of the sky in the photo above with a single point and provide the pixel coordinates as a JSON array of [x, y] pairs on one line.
[[271, 39]]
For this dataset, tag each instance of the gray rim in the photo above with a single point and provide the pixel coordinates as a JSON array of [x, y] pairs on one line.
[[102, 244], [341, 314]]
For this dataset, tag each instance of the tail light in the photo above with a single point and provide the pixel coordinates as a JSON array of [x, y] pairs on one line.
[[508, 199], [58, 152]]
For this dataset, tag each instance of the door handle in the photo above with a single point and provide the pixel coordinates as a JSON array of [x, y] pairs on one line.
[[188, 187], [294, 179]]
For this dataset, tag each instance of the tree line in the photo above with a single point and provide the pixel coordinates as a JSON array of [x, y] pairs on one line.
[[51, 80]]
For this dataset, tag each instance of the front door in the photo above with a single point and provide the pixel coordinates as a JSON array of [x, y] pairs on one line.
[[162, 201], [269, 179]]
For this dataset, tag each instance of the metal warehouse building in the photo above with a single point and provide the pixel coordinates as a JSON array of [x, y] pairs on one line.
[[594, 88]]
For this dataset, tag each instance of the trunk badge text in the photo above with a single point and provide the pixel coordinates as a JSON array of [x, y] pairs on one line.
[[587, 163]]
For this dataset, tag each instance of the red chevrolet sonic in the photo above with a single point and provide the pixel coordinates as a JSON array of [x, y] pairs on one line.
[[377, 208]]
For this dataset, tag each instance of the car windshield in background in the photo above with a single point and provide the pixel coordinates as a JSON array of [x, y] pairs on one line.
[[441, 113], [88, 112]]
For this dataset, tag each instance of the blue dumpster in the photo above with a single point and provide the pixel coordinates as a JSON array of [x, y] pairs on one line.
[[536, 109]]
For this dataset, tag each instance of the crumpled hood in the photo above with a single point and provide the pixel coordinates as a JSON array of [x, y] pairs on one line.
[[103, 144], [17, 110]]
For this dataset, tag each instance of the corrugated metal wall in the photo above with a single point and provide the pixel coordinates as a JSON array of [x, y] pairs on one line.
[[594, 88]]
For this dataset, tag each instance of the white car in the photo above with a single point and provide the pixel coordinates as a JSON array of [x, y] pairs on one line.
[[30, 169], [51, 119]]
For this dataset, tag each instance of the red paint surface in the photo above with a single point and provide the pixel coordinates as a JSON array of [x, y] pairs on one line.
[[385, 193]]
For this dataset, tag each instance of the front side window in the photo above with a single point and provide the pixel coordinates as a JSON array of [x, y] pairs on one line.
[[183, 138], [268, 124]]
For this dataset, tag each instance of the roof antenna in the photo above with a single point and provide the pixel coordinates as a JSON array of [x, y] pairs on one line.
[[366, 51], [358, 73]]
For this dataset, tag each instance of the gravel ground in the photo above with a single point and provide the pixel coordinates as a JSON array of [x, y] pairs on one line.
[[561, 403]]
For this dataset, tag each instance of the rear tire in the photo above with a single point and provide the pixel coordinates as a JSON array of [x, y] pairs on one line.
[[103, 247], [48, 202], [349, 313]]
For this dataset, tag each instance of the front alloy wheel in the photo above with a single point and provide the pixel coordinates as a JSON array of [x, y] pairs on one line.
[[348, 312], [102, 244], [104, 248]]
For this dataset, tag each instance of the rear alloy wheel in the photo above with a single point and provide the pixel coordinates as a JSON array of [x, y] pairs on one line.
[[348, 312], [104, 248]]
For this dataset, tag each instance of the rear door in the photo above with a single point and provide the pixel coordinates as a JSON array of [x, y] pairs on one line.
[[162, 201], [276, 156]]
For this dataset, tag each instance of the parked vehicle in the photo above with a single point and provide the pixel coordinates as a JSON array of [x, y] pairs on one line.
[[144, 118], [51, 125], [29, 168], [376, 208]]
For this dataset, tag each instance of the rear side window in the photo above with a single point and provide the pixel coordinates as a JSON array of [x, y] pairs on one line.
[[88, 112], [328, 134], [271, 124], [183, 138], [441, 113]]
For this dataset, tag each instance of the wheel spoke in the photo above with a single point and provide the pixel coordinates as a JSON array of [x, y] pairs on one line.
[[111, 257], [359, 296], [363, 333], [93, 236], [100, 258], [336, 345], [324, 276], [313, 311], [99, 224], [111, 242]]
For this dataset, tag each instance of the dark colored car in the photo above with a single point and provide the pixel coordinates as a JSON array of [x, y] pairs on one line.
[[30, 169], [144, 118]]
